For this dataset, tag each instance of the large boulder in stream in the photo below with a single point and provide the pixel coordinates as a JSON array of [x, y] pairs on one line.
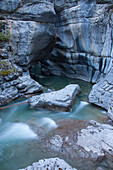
[[57, 100]]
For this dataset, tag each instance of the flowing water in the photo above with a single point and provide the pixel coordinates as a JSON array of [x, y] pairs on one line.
[[19, 143]]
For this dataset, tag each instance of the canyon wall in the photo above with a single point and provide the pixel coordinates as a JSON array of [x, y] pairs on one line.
[[83, 47], [69, 37], [26, 34]]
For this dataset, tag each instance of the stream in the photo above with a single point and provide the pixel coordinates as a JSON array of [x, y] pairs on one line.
[[19, 143]]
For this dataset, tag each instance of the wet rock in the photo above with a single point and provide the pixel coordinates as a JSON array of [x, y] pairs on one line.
[[23, 85], [84, 144], [98, 140], [51, 163], [8, 94], [102, 93], [58, 100], [56, 142], [110, 112], [30, 85]]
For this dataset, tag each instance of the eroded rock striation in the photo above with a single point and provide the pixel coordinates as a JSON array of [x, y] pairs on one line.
[[83, 47], [26, 36], [57, 100]]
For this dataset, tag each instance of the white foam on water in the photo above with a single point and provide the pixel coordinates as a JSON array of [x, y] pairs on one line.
[[103, 111], [81, 106], [16, 131], [48, 123]]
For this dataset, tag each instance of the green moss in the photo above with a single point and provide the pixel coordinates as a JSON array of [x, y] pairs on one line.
[[5, 36], [7, 68]]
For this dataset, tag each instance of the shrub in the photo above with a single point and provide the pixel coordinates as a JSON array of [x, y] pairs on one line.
[[7, 68], [5, 36]]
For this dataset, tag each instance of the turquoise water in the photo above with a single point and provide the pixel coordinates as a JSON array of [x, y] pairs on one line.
[[19, 143]]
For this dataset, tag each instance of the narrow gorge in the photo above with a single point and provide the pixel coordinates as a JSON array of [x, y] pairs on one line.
[[45, 45]]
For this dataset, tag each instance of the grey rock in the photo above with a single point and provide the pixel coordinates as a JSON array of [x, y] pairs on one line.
[[29, 85], [40, 11], [1, 80], [9, 5], [58, 100], [102, 93], [10, 92], [51, 163], [86, 145], [11, 76], [5, 85], [84, 38], [97, 140], [8, 95], [0, 91], [14, 82], [56, 141], [2, 100], [30, 38], [24, 85], [110, 112]]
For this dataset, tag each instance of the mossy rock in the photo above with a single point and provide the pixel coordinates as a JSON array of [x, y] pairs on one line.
[[7, 68], [4, 37]]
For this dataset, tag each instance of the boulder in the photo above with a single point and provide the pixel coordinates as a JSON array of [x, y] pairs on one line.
[[58, 100], [51, 163]]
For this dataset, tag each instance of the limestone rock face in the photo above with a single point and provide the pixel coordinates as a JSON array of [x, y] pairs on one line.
[[84, 36], [27, 29], [23, 85], [9, 5], [68, 37], [102, 93], [31, 26], [57, 100]]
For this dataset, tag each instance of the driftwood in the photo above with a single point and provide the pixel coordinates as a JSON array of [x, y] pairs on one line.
[[5, 107]]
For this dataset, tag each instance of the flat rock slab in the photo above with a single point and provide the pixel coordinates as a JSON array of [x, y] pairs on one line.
[[83, 144], [58, 100], [50, 164]]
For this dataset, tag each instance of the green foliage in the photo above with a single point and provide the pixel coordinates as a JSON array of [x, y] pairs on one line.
[[4, 32], [5, 36], [6, 68]]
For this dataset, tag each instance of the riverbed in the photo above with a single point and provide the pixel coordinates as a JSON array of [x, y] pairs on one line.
[[19, 145]]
